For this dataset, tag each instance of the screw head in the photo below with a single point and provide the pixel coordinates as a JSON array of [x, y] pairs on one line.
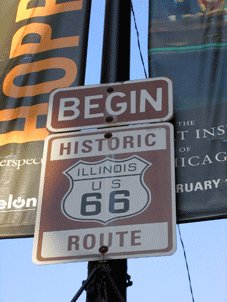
[[103, 249], [110, 89], [108, 135], [109, 119]]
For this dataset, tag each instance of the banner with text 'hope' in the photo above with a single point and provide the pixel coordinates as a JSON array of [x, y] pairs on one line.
[[42, 48]]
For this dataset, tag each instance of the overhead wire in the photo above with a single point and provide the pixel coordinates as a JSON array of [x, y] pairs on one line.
[[178, 227], [186, 263], [138, 40]]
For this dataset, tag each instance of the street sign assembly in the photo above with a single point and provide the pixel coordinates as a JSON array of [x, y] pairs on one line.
[[110, 190], [115, 104]]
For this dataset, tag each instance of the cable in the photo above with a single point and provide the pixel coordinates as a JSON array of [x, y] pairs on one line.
[[186, 263], [138, 40], [145, 73]]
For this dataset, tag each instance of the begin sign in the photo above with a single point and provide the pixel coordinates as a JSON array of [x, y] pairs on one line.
[[105, 105]]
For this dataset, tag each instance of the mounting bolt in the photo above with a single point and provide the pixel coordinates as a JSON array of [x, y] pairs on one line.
[[110, 89], [109, 119], [103, 249], [108, 135]]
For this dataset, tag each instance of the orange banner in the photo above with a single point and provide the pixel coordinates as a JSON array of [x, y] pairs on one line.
[[42, 48]]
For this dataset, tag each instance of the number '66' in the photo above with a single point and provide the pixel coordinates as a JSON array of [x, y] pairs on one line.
[[91, 203]]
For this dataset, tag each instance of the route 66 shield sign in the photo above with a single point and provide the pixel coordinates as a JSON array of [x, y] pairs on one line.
[[111, 187], [105, 190]]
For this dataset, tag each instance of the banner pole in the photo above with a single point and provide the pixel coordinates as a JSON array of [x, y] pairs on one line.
[[115, 68]]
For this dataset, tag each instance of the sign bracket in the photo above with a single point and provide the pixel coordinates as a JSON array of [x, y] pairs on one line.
[[99, 279]]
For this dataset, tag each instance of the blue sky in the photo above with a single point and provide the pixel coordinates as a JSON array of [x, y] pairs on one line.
[[154, 278]]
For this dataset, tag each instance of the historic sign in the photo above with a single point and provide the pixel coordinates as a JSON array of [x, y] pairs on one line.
[[113, 187], [105, 105]]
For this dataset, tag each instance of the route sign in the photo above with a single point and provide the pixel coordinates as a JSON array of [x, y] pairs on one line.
[[111, 187], [115, 104]]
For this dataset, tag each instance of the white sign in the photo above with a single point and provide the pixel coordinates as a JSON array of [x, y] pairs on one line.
[[112, 182], [112, 187]]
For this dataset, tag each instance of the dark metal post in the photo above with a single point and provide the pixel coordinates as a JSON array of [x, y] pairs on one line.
[[116, 43], [115, 67]]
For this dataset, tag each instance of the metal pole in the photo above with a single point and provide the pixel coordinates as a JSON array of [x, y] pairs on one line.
[[115, 67], [116, 42]]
